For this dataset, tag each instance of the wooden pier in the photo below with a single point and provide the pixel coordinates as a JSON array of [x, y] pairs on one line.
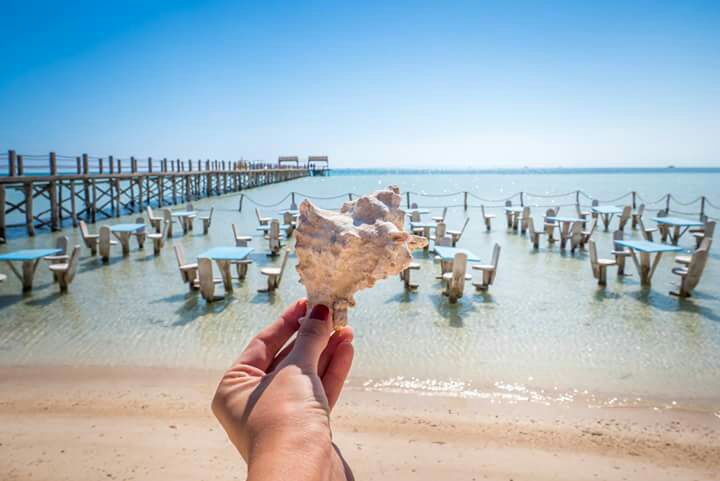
[[66, 189]]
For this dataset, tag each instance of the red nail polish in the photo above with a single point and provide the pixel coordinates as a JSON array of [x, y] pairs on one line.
[[320, 312]]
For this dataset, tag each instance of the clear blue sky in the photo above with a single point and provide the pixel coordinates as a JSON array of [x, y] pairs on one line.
[[367, 83]]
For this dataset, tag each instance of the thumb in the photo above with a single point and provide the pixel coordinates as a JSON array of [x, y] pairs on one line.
[[312, 337]]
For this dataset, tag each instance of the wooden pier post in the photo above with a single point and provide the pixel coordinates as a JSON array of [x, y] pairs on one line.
[[2, 213], [78, 165], [140, 193], [577, 198], [350, 196], [667, 203], [702, 208], [111, 164], [634, 203], [73, 209], [522, 199], [133, 170], [242, 196], [28, 190], [12, 163], [86, 185], [53, 194], [118, 205], [20, 165], [407, 198], [93, 208]]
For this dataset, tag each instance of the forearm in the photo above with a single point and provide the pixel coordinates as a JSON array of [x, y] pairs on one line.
[[297, 457]]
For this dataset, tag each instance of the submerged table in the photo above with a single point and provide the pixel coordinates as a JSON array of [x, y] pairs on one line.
[[185, 218], [645, 268], [266, 228], [606, 212], [30, 259], [566, 224], [122, 233], [223, 257], [679, 225], [447, 257]]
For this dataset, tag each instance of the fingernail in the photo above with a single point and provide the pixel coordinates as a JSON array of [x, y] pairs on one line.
[[320, 312]]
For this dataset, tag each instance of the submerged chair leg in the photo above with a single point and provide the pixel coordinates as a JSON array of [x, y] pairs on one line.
[[272, 284], [602, 276], [205, 277]]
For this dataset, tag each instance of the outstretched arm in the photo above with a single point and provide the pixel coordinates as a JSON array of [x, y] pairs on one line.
[[275, 401]]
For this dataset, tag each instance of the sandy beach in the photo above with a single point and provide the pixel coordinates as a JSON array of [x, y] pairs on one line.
[[96, 423]]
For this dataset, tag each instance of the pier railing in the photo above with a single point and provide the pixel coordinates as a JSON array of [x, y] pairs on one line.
[[701, 206], [48, 190]]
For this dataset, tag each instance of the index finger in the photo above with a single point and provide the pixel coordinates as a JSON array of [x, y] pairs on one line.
[[262, 349]]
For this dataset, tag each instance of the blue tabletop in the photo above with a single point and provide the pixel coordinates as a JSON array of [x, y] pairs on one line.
[[422, 225], [227, 253], [28, 254], [448, 253], [607, 209], [679, 221], [126, 227], [564, 219], [649, 247], [184, 213], [266, 228]]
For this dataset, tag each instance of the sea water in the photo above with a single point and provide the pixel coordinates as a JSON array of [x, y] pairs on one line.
[[544, 331]]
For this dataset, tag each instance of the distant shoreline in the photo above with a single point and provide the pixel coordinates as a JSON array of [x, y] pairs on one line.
[[531, 171]]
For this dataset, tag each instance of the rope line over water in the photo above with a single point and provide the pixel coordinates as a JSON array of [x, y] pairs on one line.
[[668, 200]]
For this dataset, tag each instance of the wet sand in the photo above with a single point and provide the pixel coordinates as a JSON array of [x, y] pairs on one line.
[[92, 423]]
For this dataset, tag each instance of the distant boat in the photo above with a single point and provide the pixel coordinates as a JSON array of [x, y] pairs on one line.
[[671, 166]]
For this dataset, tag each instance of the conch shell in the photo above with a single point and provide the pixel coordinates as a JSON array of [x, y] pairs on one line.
[[341, 253]]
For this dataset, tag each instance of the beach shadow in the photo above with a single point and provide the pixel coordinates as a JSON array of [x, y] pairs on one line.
[[578, 254], [403, 297], [196, 307], [484, 296], [602, 294], [147, 258], [669, 303], [185, 296], [46, 300], [10, 299], [454, 313], [98, 263], [264, 298]]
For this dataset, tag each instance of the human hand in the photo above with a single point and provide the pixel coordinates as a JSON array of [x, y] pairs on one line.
[[275, 403]]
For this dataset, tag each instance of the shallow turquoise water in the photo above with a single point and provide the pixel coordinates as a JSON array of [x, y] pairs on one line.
[[545, 330]]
